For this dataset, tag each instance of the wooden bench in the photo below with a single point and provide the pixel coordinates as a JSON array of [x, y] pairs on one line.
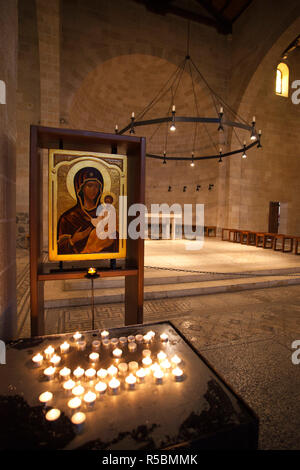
[[210, 230]]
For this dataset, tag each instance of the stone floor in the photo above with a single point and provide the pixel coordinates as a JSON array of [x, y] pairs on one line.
[[246, 336], [216, 255]]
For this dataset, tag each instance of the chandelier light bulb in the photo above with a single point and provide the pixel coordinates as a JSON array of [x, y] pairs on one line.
[[172, 127], [192, 162], [244, 152], [253, 133]]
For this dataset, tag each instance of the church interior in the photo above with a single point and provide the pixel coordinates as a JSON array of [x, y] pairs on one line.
[[203, 98]]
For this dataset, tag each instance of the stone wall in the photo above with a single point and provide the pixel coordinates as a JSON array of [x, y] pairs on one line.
[[28, 110], [271, 173], [8, 73], [115, 60], [92, 63]]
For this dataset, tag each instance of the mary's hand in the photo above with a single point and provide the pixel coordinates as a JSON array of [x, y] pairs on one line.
[[78, 235]]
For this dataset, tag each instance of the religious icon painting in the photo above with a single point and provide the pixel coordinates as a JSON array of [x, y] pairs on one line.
[[87, 205]]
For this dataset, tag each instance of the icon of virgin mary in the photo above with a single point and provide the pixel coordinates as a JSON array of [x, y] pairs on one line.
[[76, 232]]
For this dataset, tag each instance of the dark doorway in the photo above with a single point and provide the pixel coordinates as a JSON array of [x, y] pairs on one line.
[[274, 215]]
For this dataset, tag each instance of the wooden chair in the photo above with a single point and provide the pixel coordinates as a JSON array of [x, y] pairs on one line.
[[223, 234], [268, 242], [259, 238], [297, 240]]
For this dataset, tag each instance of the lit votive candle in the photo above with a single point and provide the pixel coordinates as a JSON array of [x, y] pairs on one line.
[[130, 381], [68, 386], [49, 352], [100, 387], [151, 333], [166, 365], [55, 360], [78, 391], [117, 353], [114, 385], [161, 356], [94, 357], [89, 399], [114, 342], [141, 374], [178, 374], [37, 360], [74, 403], [147, 361], [131, 339], [154, 367], [90, 374], [146, 352], [106, 343], [96, 344], [77, 336], [104, 334], [78, 419], [164, 337], [81, 345], [139, 338], [102, 373], [123, 368], [133, 366], [64, 373], [147, 338], [50, 372], [78, 372], [123, 340], [132, 346], [158, 376], [112, 371], [176, 360], [45, 398], [53, 414], [64, 347]]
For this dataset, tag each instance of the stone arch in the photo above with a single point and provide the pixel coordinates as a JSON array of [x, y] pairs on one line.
[[102, 102], [268, 174]]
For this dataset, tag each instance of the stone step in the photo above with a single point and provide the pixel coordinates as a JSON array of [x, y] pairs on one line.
[[56, 297], [159, 277]]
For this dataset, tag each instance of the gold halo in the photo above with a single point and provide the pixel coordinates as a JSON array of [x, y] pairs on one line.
[[108, 193], [83, 164]]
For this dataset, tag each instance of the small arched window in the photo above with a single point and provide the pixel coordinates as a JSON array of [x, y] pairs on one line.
[[282, 80]]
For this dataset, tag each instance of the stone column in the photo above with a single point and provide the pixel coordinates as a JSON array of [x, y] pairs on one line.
[[8, 74], [48, 20]]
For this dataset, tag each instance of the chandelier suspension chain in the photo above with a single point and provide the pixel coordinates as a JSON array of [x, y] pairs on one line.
[[204, 125], [161, 91], [217, 96], [233, 119], [170, 88]]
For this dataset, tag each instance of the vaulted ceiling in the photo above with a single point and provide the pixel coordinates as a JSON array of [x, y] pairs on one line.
[[220, 14]]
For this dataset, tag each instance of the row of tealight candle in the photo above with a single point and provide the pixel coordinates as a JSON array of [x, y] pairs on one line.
[[84, 386]]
